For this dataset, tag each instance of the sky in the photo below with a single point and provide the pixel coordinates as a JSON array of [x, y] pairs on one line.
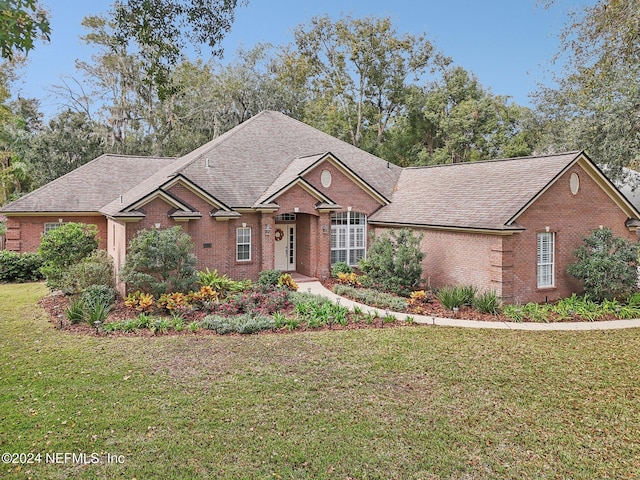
[[508, 44]]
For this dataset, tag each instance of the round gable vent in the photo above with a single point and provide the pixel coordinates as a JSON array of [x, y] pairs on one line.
[[325, 178], [574, 183]]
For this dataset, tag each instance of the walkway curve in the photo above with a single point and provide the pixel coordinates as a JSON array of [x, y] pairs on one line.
[[318, 289]]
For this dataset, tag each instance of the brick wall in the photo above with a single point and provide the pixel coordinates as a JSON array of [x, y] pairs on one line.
[[456, 258], [508, 264], [214, 241], [571, 218], [24, 233], [342, 189]]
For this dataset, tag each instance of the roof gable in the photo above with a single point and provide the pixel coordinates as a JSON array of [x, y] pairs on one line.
[[487, 195], [246, 162], [591, 169], [295, 172]]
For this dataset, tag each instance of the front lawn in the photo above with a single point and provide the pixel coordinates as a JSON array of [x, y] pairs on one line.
[[426, 402]]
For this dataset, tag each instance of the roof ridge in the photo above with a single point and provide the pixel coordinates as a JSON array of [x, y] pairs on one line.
[[495, 160], [219, 140], [301, 157]]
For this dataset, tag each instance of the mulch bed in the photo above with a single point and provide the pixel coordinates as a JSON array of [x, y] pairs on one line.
[[436, 309], [56, 304]]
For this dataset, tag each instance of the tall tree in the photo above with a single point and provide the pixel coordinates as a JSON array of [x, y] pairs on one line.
[[22, 22], [68, 141], [161, 30], [596, 104], [16, 118], [358, 71], [455, 120]]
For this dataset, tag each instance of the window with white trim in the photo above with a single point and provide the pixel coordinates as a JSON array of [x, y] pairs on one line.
[[348, 237], [243, 244], [546, 259], [52, 226]]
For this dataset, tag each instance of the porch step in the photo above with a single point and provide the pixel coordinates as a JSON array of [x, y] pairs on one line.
[[299, 278]]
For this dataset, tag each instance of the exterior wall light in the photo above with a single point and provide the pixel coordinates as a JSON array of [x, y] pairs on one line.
[[267, 230]]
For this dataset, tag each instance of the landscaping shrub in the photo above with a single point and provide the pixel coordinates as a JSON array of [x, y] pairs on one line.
[[244, 324], [269, 278], [75, 312], [349, 279], [287, 281], [372, 297], [160, 261], [220, 282], [98, 313], [319, 313], [171, 301], [487, 302], [260, 301], [340, 267], [95, 269], [456, 296], [64, 247], [140, 301], [20, 267], [296, 298], [93, 305], [394, 262], [98, 295], [607, 265], [420, 297]]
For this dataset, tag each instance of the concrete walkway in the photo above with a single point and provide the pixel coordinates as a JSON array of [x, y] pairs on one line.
[[318, 289]]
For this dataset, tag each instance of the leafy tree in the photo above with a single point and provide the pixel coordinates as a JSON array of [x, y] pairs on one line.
[[160, 30], [160, 261], [65, 247], [21, 23], [607, 265], [394, 261], [595, 104], [16, 120], [68, 141], [357, 72], [456, 120]]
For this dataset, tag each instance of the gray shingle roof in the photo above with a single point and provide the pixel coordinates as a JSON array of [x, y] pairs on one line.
[[240, 167], [91, 186], [247, 160], [482, 195]]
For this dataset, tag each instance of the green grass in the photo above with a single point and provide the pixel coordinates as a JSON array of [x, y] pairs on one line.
[[415, 402]]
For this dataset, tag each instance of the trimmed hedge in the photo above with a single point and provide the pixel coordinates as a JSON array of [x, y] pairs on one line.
[[20, 267]]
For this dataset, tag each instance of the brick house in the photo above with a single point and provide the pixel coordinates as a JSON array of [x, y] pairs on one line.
[[276, 193]]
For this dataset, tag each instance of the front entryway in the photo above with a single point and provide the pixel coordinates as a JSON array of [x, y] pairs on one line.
[[285, 247]]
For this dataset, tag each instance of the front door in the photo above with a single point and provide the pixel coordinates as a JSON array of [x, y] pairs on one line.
[[285, 247]]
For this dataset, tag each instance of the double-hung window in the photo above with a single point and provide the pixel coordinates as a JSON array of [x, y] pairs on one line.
[[348, 237], [546, 259], [243, 244], [49, 226]]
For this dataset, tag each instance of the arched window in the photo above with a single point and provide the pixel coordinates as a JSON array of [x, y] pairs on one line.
[[348, 237]]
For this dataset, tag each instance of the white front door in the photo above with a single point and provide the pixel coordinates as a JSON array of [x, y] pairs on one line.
[[285, 247]]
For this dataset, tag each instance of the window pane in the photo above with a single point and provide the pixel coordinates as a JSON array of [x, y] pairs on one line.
[[348, 237], [243, 243], [545, 259]]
